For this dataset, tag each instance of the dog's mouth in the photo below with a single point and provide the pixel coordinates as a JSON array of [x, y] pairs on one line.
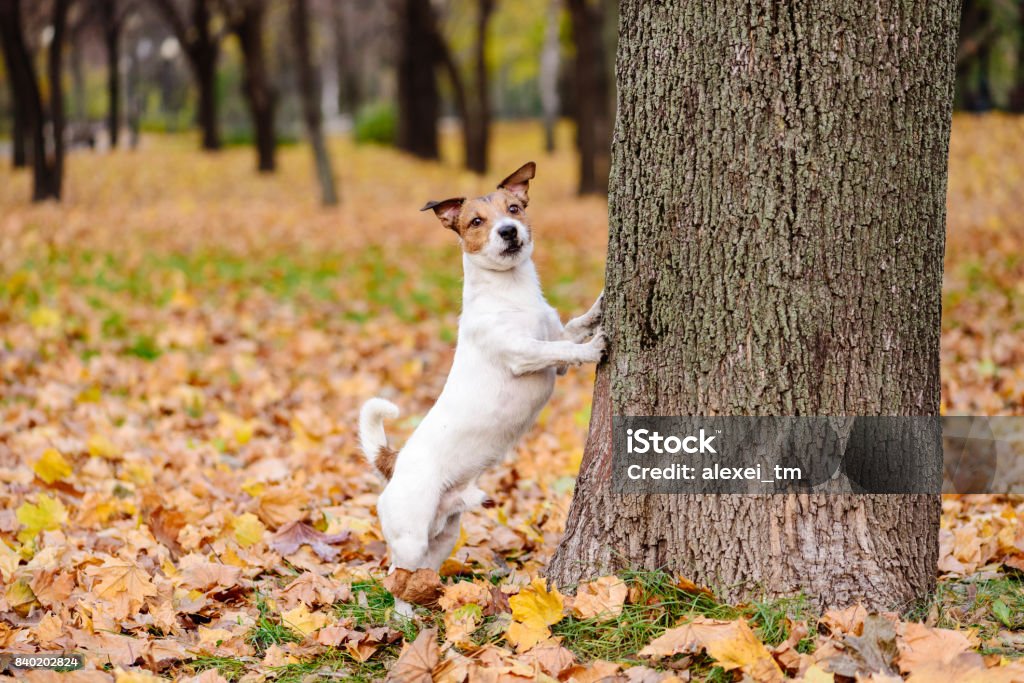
[[512, 249]]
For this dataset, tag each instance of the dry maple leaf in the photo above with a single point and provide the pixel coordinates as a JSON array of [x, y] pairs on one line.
[[921, 645], [534, 609], [418, 659], [421, 587], [294, 535], [123, 584], [603, 597], [731, 643]]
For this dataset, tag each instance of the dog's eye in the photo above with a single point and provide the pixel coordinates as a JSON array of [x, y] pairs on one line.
[[513, 209], [476, 221]]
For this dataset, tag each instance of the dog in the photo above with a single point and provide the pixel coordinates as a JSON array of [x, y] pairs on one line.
[[511, 344]]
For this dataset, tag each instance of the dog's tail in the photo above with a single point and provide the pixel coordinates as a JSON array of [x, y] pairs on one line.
[[372, 437]]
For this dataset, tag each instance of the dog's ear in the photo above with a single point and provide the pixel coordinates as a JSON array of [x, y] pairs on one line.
[[519, 182], [447, 210]]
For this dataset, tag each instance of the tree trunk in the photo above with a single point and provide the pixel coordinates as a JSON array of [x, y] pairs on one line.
[[19, 127], [259, 94], [593, 128], [548, 77], [350, 91], [1016, 104], [20, 67], [478, 125], [112, 40], [205, 70], [55, 68], [418, 102], [777, 231], [309, 91]]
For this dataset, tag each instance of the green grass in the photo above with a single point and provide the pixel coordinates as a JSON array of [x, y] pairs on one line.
[[987, 605], [373, 605], [662, 605], [268, 630]]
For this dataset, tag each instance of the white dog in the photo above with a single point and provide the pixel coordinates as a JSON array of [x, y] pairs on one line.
[[511, 343]]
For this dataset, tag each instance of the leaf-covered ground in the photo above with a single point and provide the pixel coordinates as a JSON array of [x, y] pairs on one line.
[[183, 349]]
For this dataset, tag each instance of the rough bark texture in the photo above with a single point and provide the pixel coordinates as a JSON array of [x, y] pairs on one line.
[[418, 101], [260, 97], [593, 120], [309, 92], [777, 229]]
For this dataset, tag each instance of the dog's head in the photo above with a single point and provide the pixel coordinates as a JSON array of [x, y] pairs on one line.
[[493, 229]]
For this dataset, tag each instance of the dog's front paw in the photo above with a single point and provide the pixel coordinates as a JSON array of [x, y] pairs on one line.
[[595, 348]]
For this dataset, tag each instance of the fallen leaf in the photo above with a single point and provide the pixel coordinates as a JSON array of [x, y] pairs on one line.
[[421, 587], [293, 535], [51, 466], [603, 597], [418, 659]]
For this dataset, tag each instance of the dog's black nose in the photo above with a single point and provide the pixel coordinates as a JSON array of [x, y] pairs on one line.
[[508, 232]]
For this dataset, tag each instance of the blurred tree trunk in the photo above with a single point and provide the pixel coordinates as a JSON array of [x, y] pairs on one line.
[[47, 164], [977, 30], [55, 68], [1017, 92], [246, 21], [418, 100], [201, 45], [478, 124], [350, 91], [548, 77], [731, 199], [309, 93], [112, 19], [19, 126], [593, 118]]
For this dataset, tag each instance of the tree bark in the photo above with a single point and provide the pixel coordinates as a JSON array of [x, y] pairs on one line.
[[112, 40], [309, 91], [256, 86], [19, 127], [418, 101], [548, 77], [777, 217], [593, 128]]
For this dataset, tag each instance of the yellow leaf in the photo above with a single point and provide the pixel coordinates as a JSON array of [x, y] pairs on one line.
[[304, 621], [535, 604], [20, 597], [524, 636], [51, 466], [46, 514], [816, 674], [248, 529], [44, 318], [101, 447], [534, 608]]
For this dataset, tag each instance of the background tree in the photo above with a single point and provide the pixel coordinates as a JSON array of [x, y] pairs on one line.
[[245, 19], [113, 14], [547, 79], [418, 98], [593, 118], [777, 216], [200, 42], [43, 124], [309, 92]]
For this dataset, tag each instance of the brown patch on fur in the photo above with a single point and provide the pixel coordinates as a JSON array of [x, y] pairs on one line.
[[489, 209], [385, 462]]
